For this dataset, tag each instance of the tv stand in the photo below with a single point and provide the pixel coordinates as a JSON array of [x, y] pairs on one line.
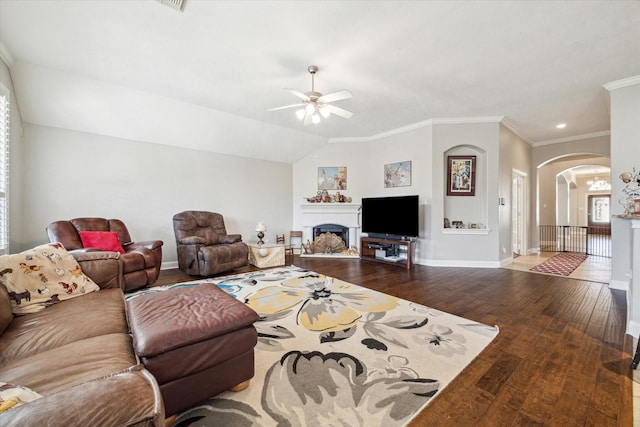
[[388, 251]]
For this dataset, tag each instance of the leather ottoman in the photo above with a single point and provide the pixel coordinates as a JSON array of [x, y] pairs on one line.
[[197, 341]]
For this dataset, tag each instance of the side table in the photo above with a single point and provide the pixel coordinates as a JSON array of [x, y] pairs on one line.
[[267, 255]]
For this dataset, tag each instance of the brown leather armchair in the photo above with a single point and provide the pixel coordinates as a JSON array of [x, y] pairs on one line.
[[204, 247], [137, 267]]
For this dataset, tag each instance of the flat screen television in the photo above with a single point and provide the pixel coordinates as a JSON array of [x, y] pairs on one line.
[[393, 217]]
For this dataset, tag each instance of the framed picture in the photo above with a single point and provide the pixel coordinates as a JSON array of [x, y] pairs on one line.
[[332, 178], [461, 176], [397, 174]]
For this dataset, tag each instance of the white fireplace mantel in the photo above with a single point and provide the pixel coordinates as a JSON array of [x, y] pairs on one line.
[[344, 214]]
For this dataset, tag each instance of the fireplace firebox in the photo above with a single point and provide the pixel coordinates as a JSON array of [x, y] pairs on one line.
[[338, 230]]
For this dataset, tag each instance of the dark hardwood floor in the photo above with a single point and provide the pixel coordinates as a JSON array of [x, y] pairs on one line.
[[561, 357]]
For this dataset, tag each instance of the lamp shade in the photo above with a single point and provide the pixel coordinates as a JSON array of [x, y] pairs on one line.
[[261, 227]]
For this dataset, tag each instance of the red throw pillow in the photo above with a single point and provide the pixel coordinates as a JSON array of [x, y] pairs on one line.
[[104, 240]]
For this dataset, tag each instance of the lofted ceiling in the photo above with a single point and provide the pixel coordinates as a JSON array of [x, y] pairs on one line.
[[203, 78]]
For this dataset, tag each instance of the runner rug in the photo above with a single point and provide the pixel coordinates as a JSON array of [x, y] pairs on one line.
[[561, 264], [333, 353]]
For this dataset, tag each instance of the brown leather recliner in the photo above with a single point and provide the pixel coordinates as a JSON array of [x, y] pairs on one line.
[[139, 265], [204, 247]]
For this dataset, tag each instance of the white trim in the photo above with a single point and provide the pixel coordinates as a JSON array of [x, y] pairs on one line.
[[506, 261], [572, 138], [425, 123], [466, 230], [458, 263], [467, 120], [515, 130], [629, 81], [633, 328], [382, 135], [169, 265], [621, 285]]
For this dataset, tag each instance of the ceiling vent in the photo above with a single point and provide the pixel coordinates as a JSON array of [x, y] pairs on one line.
[[173, 4]]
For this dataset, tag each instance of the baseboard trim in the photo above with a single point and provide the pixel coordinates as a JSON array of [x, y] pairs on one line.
[[621, 285], [633, 328], [458, 263], [169, 265], [506, 261]]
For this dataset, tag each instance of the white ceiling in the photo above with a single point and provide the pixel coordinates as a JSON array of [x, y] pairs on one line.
[[203, 78]]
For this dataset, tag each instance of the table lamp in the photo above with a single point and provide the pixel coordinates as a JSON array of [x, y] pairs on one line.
[[261, 228]]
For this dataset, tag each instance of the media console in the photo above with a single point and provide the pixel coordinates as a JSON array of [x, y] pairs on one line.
[[389, 251]]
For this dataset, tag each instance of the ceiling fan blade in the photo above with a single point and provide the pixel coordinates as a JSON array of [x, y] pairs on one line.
[[286, 106], [338, 111], [298, 94], [336, 96]]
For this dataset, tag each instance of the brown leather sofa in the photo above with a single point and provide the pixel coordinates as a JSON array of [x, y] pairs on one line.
[[139, 266], [79, 356], [204, 247]]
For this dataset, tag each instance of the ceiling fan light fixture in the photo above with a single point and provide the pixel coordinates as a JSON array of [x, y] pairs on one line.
[[310, 108], [324, 112], [314, 106]]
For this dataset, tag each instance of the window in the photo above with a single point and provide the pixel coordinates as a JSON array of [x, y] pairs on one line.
[[4, 170], [599, 185]]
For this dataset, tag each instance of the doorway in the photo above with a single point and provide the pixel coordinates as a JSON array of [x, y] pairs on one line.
[[518, 210], [598, 212]]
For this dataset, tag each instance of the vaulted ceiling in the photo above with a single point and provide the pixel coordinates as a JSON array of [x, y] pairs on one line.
[[203, 77]]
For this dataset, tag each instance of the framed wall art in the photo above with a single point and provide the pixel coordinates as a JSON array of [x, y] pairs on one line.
[[332, 178], [397, 174], [461, 175]]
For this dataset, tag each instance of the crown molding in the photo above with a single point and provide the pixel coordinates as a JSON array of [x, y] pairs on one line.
[[467, 120], [419, 125], [572, 138], [6, 56], [629, 81], [392, 132], [515, 130]]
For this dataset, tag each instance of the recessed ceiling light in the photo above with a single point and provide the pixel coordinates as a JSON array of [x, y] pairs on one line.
[[561, 125]]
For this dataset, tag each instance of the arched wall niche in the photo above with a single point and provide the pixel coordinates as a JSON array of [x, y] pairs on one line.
[[471, 210]]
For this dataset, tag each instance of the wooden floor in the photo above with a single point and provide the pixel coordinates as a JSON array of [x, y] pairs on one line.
[[561, 357]]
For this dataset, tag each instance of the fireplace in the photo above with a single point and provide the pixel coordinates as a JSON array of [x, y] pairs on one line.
[[338, 230], [346, 216]]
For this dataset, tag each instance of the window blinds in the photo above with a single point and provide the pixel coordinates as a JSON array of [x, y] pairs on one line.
[[4, 170]]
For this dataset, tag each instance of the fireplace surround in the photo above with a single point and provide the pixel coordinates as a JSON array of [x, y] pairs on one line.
[[343, 215]]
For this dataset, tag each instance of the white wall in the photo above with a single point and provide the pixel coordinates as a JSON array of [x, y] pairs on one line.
[[73, 174], [365, 171], [625, 155], [466, 249], [515, 154], [498, 151]]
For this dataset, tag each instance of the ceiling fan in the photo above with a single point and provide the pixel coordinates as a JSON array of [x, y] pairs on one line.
[[315, 105]]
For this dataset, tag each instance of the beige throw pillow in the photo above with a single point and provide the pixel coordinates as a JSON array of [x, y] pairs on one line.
[[42, 276]]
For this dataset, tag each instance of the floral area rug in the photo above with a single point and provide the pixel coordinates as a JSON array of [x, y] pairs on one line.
[[332, 353], [561, 264]]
